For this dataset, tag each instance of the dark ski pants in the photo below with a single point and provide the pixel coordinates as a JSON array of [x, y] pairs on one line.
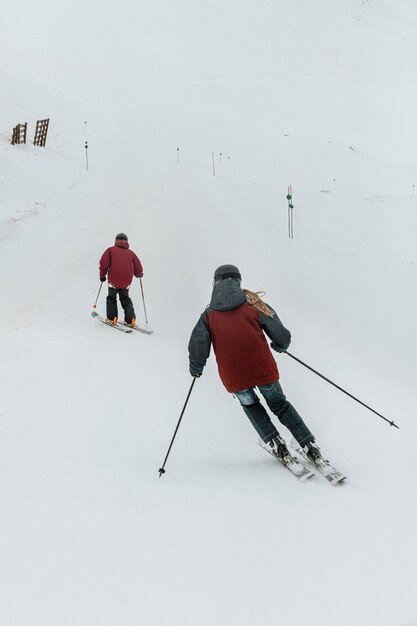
[[125, 301], [279, 405]]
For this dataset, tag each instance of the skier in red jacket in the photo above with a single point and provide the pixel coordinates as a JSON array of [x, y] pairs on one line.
[[121, 264], [234, 323]]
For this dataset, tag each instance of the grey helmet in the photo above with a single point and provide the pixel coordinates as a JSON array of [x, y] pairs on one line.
[[121, 236], [227, 271]]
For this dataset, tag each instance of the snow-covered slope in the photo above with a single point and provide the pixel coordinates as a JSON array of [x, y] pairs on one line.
[[321, 98]]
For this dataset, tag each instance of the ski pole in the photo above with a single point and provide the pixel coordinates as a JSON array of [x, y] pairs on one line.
[[143, 300], [390, 422], [99, 289], [161, 469]]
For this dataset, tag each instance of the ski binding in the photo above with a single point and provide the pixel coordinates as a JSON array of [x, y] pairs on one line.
[[291, 463], [331, 474], [115, 326]]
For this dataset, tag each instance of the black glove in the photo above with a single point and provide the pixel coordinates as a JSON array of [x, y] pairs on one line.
[[196, 375], [277, 348], [102, 279]]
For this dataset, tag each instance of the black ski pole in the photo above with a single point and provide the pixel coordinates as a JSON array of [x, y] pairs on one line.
[[390, 422], [143, 300], [99, 289], [161, 469]]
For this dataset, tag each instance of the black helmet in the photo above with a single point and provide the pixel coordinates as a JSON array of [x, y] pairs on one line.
[[227, 271], [121, 236]]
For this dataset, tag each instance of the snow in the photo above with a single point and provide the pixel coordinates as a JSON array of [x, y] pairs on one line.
[[319, 97]]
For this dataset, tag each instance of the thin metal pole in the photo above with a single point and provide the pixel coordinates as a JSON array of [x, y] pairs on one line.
[[162, 469], [86, 145], [290, 207], [99, 289], [289, 229], [390, 422], [143, 300]]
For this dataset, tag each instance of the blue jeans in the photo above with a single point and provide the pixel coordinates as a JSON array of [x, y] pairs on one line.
[[279, 405]]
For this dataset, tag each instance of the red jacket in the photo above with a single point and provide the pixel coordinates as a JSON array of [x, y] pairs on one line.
[[121, 263], [243, 356], [236, 331]]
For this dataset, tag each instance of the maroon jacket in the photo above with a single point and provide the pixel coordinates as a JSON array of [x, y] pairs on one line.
[[236, 331], [121, 263]]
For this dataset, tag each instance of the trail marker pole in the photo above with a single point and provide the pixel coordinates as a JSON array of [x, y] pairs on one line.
[[214, 169], [290, 213], [86, 146]]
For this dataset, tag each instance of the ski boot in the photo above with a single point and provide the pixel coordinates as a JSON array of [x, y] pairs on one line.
[[279, 449], [131, 324], [312, 452]]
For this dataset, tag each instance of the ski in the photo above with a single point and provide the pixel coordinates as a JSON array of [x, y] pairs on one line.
[[331, 474], [116, 327], [138, 328], [291, 463]]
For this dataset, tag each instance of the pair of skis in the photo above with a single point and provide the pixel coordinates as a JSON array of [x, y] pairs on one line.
[[290, 462], [124, 328], [302, 471]]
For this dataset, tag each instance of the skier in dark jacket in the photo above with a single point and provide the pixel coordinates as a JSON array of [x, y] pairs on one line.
[[121, 264], [234, 323]]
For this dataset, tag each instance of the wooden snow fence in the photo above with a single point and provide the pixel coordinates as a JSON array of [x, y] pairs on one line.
[[41, 132], [19, 133]]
